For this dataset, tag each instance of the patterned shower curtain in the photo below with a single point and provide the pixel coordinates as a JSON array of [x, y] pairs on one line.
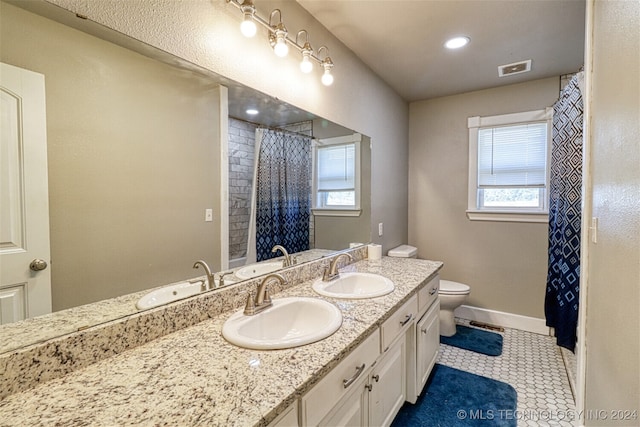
[[283, 193], [565, 198]]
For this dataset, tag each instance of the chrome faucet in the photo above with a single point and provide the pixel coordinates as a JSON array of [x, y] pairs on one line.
[[262, 299], [211, 282], [221, 279], [287, 258], [331, 271]]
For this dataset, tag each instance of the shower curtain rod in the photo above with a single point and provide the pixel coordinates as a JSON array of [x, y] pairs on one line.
[[277, 128]]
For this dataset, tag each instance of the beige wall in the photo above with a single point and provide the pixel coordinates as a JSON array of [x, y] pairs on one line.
[[339, 232], [132, 147], [206, 33], [613, 273], [504, 263]]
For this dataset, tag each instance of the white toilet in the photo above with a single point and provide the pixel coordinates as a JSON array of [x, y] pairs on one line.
[[452, 294]]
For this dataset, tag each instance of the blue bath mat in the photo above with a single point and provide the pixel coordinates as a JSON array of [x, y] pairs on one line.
[[477, 340], [455, 398]]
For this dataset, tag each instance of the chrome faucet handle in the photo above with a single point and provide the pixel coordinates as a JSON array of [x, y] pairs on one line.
[[203, 284], [221, 278], [250, 306], [326, 274]]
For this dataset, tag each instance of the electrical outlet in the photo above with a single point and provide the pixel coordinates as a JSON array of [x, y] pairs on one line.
[[208, 215], [380, 229]]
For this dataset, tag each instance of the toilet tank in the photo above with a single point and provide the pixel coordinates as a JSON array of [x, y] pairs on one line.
[[403, 251]]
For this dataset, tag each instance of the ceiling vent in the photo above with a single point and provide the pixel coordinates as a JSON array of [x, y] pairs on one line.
[[515, 68]]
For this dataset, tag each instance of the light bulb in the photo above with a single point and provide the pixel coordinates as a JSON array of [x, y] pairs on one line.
[[248, 26], [306, 65], [281, 49], [327, 77]]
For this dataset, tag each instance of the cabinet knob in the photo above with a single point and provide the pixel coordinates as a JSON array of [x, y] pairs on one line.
[[376, 377]]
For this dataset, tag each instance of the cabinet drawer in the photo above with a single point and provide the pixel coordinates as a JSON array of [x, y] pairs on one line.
[[428, 294], [337, 383], [394, 325]]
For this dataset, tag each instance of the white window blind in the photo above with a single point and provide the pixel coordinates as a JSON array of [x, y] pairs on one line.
[[336, 168], [512, 156]]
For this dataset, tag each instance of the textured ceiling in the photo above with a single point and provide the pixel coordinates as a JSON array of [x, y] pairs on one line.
[[402, 41]]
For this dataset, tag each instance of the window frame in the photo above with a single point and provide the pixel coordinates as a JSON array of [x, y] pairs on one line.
[[354, 210], [522, 214]]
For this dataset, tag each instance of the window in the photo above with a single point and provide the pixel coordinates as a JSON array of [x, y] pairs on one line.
[[336, 176], [508, 173]]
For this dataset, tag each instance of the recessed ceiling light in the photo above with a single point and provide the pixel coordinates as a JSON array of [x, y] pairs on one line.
[[457, 42], [252, 111]]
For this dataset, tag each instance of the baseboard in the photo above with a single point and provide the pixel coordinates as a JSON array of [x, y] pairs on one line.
[[500, 318]]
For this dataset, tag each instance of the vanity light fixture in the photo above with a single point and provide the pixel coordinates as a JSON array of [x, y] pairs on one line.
[[327, 65], [457, 42], [278, 36], [306, 66], [280, 41], [248, 26]]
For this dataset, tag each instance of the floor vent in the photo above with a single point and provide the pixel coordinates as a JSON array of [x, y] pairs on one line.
[[515, 68], [486, 326]]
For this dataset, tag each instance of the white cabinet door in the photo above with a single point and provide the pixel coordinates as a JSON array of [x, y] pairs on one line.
[[428, 344], [352, 410], [24, 200], [388, 385]]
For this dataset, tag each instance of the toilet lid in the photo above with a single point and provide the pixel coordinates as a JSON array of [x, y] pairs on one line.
[[449, 287]]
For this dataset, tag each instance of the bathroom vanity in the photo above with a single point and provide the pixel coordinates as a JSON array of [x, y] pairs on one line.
[[379, 357]]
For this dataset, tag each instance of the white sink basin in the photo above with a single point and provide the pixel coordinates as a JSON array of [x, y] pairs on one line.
[[259, 269], [355, 286], [290, 322], [172, 293]]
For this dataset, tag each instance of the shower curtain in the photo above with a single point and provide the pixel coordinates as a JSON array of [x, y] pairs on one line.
[[565, 198], [281, 205]]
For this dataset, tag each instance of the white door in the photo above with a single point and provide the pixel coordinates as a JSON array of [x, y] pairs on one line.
[[25, 278], [388, 384]]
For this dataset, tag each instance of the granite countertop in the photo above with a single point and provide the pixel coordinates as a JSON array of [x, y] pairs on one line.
[[42, 328], [194, 376]]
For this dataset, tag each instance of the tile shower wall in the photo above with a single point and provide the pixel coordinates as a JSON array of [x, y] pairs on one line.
[[241, 159], [241, 163]]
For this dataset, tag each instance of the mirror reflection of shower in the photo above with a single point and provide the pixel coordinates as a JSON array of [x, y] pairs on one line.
[[290, 217], [269, 190]]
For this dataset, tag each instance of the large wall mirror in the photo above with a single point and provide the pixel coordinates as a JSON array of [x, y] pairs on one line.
[[137, 141]]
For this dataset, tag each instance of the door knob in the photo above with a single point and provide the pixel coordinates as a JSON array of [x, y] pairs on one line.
[[38, 265]]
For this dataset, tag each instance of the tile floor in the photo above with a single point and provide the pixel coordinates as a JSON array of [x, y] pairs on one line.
[[533, 365]]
